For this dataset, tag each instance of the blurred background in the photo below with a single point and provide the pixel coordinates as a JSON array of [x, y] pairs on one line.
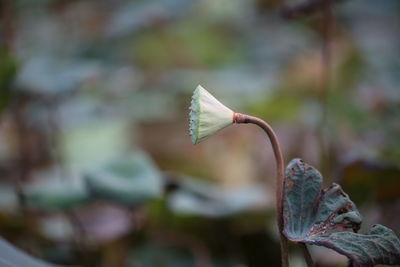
[[96, 163]]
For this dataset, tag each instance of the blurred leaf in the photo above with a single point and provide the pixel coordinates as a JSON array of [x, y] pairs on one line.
[[162, 107], [46, 75], [52, 192], [11, 256], [93, 143], [324, 217], [130, 180], [198, 197]]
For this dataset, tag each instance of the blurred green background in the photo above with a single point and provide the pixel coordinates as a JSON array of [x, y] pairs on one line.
[[96, 163]]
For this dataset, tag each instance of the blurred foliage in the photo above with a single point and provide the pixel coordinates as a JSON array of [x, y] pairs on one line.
[[11, 257], [8, 69], [186, 45], [96, 162], [130, 181], [370, 180], [54, 193]]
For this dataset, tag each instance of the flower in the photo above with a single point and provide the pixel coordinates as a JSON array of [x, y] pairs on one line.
[[207, 115]]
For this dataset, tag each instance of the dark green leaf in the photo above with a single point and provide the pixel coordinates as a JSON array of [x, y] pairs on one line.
[[379, 246], [310, 211], [328, 217]]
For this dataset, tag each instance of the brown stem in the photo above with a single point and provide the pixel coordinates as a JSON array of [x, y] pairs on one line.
[[325, 88], [7, 19], [79, 236], [241, 118], [24, 152], [307, 255]]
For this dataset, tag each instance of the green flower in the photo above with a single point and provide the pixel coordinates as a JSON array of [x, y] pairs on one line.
[[207, 115]]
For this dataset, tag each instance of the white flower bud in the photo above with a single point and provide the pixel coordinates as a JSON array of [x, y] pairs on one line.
[[207, 115]]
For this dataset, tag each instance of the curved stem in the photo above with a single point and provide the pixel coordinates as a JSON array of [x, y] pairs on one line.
[[242, 118], [307, 255]]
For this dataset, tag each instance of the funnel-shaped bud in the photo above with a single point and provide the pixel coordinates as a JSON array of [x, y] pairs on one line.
[[207, 115]]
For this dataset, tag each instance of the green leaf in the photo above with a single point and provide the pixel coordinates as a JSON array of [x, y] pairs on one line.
[[310, 211], [379, 246], [131, 180], [328, 218]]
